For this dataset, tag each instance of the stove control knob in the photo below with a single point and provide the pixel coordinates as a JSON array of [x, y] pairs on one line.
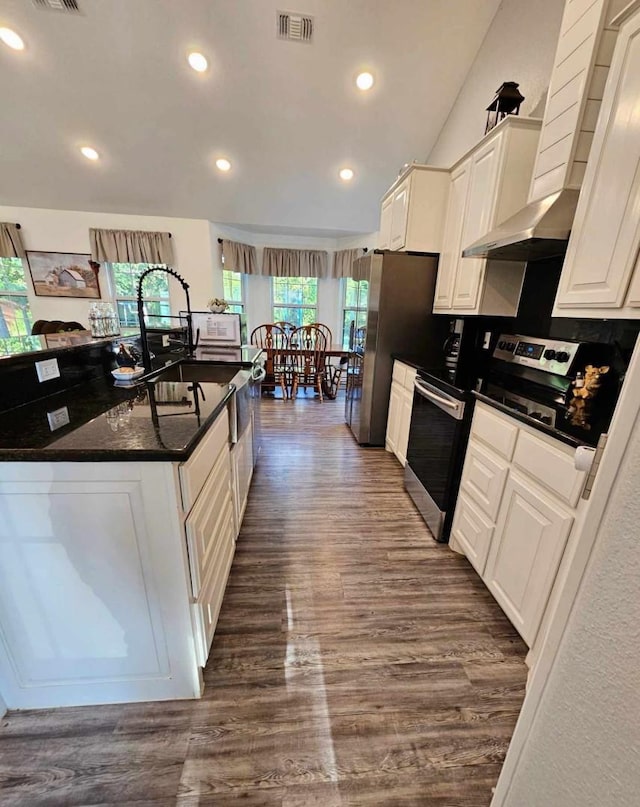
[[562, 356], [502, 345], [511, 346], [550, 354]]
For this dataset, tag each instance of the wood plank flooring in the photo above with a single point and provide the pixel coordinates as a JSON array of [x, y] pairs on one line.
[[356, 661]]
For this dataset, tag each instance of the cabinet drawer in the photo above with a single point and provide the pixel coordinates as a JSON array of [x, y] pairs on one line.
[[551, 466], [194, 472], [473, 531], [483, 478], [497, 431], [409, 378], [206, 609], [399, 372], [205, 522]]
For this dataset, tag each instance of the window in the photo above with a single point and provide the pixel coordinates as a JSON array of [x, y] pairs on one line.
[[295, 300], [15, 314], [355, 296], [156, 294], [233, 291]]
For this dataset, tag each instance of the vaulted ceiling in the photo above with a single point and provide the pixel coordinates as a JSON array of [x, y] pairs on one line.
[[286, 114]]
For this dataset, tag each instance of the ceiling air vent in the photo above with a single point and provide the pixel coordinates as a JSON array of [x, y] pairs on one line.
[[69, 6], [298, 27]]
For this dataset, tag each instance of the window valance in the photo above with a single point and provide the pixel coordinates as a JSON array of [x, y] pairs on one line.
[[11, 245], [343, 262], [239, 257], [295, 262], [131, 246]]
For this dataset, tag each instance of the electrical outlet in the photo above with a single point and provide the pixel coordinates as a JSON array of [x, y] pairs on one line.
[[165, 340], [47, 370], [487, 340], [58, 418]]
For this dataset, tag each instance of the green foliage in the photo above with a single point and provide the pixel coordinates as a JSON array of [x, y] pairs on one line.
[[127, 275], [12, 275]]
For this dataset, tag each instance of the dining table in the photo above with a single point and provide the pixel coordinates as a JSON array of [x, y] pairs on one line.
[[330, 381]]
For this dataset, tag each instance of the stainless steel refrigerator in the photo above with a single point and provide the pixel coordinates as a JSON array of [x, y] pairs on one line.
[[399, 320]]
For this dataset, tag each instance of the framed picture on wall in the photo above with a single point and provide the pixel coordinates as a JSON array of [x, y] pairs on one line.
[[63, 274]]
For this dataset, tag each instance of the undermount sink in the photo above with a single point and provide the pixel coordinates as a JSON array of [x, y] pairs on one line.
[[199, 371]]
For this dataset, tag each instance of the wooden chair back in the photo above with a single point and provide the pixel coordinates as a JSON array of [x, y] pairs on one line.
[[308, 356], [274, 341], [287, 327]]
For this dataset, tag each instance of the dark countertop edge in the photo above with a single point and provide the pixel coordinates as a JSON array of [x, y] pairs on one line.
[[49, 352], [131, 455], [574, 442]]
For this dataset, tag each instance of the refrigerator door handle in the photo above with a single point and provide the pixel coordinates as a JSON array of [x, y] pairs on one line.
[[451, 405]]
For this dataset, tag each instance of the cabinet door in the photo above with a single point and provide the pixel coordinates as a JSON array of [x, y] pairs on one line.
[[399, 215], [393, 419], [406, 405], [483, 478], [384, 237], [473, 531], [603, 247], [481, 202], [525, 553], [450, 257]]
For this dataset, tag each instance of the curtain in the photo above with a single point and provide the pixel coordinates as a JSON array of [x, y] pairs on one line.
[[11, 245], [295, 262], [239, 257], [343, 262], [131, 246]]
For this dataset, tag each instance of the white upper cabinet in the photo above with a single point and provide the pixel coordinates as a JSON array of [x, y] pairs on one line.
[[384, 234], [601, 274], [413, 210], [487, 186], [452, 241]]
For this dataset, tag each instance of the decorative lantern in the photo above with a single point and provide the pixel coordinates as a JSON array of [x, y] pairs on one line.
[[506, 102]]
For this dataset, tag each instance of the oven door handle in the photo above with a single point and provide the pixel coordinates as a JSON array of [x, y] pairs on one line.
[[450, 405]]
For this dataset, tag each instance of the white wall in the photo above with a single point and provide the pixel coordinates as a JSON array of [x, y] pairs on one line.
[[197, 253], [584, 749], [519, 46], [68, 231]]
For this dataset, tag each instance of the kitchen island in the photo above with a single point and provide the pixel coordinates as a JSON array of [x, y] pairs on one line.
[[118, 520]]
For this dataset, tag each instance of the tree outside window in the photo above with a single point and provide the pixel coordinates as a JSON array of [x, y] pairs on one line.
[[233, 291], [355, 297], [155, 292], [295, 300], [15, 313]]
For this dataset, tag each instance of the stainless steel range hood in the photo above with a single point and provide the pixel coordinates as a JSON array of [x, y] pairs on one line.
[[539, 230]]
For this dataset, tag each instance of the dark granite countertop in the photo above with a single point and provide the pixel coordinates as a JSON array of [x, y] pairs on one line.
[[98, 421], [17, 348], [551, 431]]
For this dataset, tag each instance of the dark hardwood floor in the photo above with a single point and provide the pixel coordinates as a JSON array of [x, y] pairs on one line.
[[356, 661]]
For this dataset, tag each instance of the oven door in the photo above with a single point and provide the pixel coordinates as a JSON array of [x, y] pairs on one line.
[[438, 426]]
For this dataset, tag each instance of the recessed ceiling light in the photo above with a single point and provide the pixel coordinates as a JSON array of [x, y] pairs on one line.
[[198, 62], [364, 81], [222, 164], [89, 153], [346, 174], [11, 39]]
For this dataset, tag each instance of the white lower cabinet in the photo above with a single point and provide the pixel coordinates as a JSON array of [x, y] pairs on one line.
[[400, 406], [515, 513], [530, 537], [141, 552], [242, 466]]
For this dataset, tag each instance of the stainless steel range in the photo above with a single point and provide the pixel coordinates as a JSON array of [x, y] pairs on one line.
[[535, 377]]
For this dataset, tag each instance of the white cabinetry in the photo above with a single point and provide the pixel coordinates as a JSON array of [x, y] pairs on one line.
[[242, 463], [601, 272], [141, 552], [413, 210], [487, 186], [525, 553], [400, 406], [514, 514]]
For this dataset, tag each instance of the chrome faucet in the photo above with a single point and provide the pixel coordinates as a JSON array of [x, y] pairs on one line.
[[191, 344]]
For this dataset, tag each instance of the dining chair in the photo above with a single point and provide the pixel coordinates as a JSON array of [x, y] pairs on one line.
[[333, 372], [287, 327], [308, 356], [274, 341]]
